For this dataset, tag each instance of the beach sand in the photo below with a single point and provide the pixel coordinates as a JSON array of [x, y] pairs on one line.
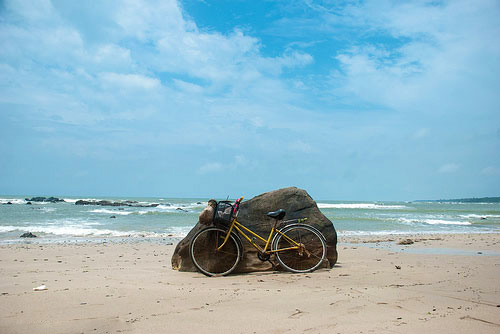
[[439, 284]]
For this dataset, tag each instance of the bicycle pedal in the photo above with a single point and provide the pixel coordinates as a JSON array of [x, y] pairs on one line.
[[274, 265]]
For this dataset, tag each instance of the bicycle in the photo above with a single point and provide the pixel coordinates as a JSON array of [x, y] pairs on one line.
[[217, 250]]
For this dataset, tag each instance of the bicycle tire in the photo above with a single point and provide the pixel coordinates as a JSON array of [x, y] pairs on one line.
[[206, 258], [296, 260]]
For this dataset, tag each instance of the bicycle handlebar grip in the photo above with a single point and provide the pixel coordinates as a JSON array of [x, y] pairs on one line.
[[236, 205]]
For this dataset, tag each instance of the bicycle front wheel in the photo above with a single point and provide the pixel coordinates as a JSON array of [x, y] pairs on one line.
[[205, 254], [309, 248]]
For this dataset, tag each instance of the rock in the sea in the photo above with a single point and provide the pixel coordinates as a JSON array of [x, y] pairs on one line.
[[28, 235], [406, 242], [54, 199], [296, 202], [36, 199], [44, 199], [109, 203]]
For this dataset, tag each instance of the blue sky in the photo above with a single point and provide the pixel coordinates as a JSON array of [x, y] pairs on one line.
[[350, 100]]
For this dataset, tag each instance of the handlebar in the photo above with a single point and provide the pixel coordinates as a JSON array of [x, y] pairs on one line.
[[236, 206]]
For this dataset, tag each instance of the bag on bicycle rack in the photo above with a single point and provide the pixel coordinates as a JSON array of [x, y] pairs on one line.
[[223, 213]]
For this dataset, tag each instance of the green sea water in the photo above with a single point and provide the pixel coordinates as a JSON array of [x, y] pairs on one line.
[[173, 218]]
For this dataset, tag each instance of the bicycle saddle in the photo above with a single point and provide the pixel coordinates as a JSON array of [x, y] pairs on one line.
[[279, 214]]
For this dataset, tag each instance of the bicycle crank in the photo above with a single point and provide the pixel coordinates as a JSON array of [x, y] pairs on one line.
[[263, 257]]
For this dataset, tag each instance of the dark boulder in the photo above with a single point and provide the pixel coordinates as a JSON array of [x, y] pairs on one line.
[[54, 200], [109, 203], [36, 199], [28, 235], [84, 202], [152, 205], [296, 202], [44, 199]]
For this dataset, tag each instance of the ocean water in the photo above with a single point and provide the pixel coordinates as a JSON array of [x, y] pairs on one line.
[[173, 218]]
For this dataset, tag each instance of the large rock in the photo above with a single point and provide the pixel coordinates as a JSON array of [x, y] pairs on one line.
[[28, 235], [296, 202]]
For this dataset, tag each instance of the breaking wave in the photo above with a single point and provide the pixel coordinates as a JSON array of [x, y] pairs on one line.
[[369, 206], [433, 221], [79, 231]]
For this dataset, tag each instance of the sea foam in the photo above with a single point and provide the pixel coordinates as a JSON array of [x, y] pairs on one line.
[[432, 221], [360, 206], [12, 200], [79, 231], [112, 212]]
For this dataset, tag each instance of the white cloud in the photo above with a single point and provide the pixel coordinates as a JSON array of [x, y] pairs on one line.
[[147, 46], [240, 160], [149, 20], [111, 54], [210, 167], [443, 50], [491, 171], [188, 86], [214, 167], [130, 80], [300, 146], [294, 58], [449, 168], [421, 133]]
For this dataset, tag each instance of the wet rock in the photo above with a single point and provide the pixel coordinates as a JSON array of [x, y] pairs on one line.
[[296, 202], [35, 199], [54, 200], [28, 235], [406, 242], [44, 199], [109, 203]]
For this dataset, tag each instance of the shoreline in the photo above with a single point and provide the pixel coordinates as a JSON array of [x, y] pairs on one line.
[[131, 287], [175, 217], [375, 240]]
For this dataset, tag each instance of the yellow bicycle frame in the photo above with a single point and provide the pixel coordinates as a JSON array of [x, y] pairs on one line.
[[240, 227]]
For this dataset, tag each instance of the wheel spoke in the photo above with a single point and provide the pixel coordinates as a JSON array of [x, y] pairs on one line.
[[208, 259], [310, 254]]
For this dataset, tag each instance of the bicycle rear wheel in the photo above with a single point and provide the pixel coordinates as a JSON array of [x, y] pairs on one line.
[[308, 257], [210, 261]]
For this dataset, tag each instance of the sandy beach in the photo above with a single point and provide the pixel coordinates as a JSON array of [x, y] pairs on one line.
[[438, 284]]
